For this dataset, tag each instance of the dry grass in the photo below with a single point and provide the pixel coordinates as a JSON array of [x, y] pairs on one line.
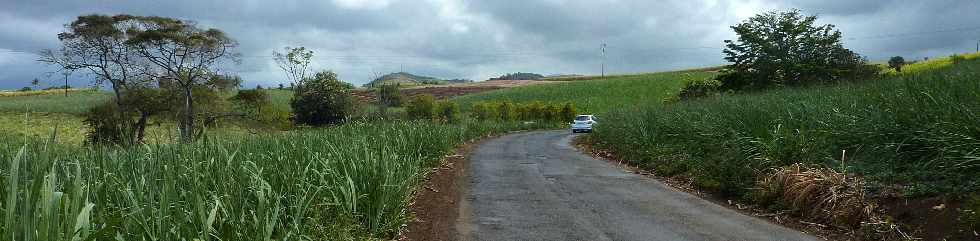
[[829, 196], [820, 194]]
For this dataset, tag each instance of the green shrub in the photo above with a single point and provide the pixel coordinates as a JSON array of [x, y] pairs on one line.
[[251, 100], [389, 95], [25, 89], [106, 126], [553, 113], [422, 107], [448, 112], [507, 110], [698, 88], [568, 112], [321, 100], [480, 111]]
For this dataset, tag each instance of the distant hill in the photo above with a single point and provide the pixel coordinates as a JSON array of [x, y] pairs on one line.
[[519, 76], [405, 79]]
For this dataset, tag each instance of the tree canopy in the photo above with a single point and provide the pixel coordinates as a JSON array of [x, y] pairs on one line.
[[787, 48]]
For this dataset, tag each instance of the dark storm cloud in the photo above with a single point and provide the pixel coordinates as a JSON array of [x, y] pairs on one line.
[[479, 39]]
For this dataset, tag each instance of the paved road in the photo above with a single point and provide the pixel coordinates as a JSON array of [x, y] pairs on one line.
[[536, 186]]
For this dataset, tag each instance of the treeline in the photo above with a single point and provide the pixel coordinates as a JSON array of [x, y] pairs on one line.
[[519, 76]]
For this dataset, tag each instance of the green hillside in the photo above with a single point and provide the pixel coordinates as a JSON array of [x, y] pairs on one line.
[[597, 95], [405, 79]]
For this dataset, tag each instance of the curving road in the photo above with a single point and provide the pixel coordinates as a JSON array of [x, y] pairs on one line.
[[537, 186]]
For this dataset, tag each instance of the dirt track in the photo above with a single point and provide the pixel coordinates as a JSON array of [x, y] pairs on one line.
[[536, 186]]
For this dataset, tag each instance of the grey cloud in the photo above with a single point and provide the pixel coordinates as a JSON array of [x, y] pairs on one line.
[[480, 39]]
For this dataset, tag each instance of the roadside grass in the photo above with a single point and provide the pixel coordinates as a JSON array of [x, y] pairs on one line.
[[916, 133], [596, 95], [351, 182]]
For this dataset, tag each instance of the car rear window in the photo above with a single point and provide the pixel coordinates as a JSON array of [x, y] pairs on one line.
[[582, 118]]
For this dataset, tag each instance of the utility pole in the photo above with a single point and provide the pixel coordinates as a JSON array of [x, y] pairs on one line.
[[602, 66]]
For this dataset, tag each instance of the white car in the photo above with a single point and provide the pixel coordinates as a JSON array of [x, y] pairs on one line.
[[583, 123]]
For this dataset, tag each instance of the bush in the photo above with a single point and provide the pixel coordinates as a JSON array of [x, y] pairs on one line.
[[448, 112], [389, 95], [25, 89], [698, 88], [553, 113], [507, 110], [106, 127], [422, 107], [481, 111], [321, 100], [251, 99], [568, 112]]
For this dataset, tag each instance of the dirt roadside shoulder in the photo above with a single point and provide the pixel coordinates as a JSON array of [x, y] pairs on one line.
[[435, 206]]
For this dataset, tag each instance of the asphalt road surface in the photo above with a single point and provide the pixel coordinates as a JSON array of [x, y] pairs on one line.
[[537, 186]]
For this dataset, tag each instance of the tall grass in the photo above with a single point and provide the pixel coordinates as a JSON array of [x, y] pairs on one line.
[[919, 132], [597, 95], [347, 182]]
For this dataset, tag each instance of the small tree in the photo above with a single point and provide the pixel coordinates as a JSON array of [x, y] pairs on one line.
[[322, 100], [295, 63], [896, 63], [422, 107]]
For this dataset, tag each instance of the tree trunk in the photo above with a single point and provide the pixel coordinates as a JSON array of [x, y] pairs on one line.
[[187, 130], [141, 126]]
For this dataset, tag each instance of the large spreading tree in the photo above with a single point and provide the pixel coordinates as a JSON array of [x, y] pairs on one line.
[[183, 53], [97, 44], [787, 49], [133, 53]]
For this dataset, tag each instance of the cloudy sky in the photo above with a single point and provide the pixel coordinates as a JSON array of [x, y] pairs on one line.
[[481, 39]]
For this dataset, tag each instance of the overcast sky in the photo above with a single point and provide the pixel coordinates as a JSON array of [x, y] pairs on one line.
[[481, 39]]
